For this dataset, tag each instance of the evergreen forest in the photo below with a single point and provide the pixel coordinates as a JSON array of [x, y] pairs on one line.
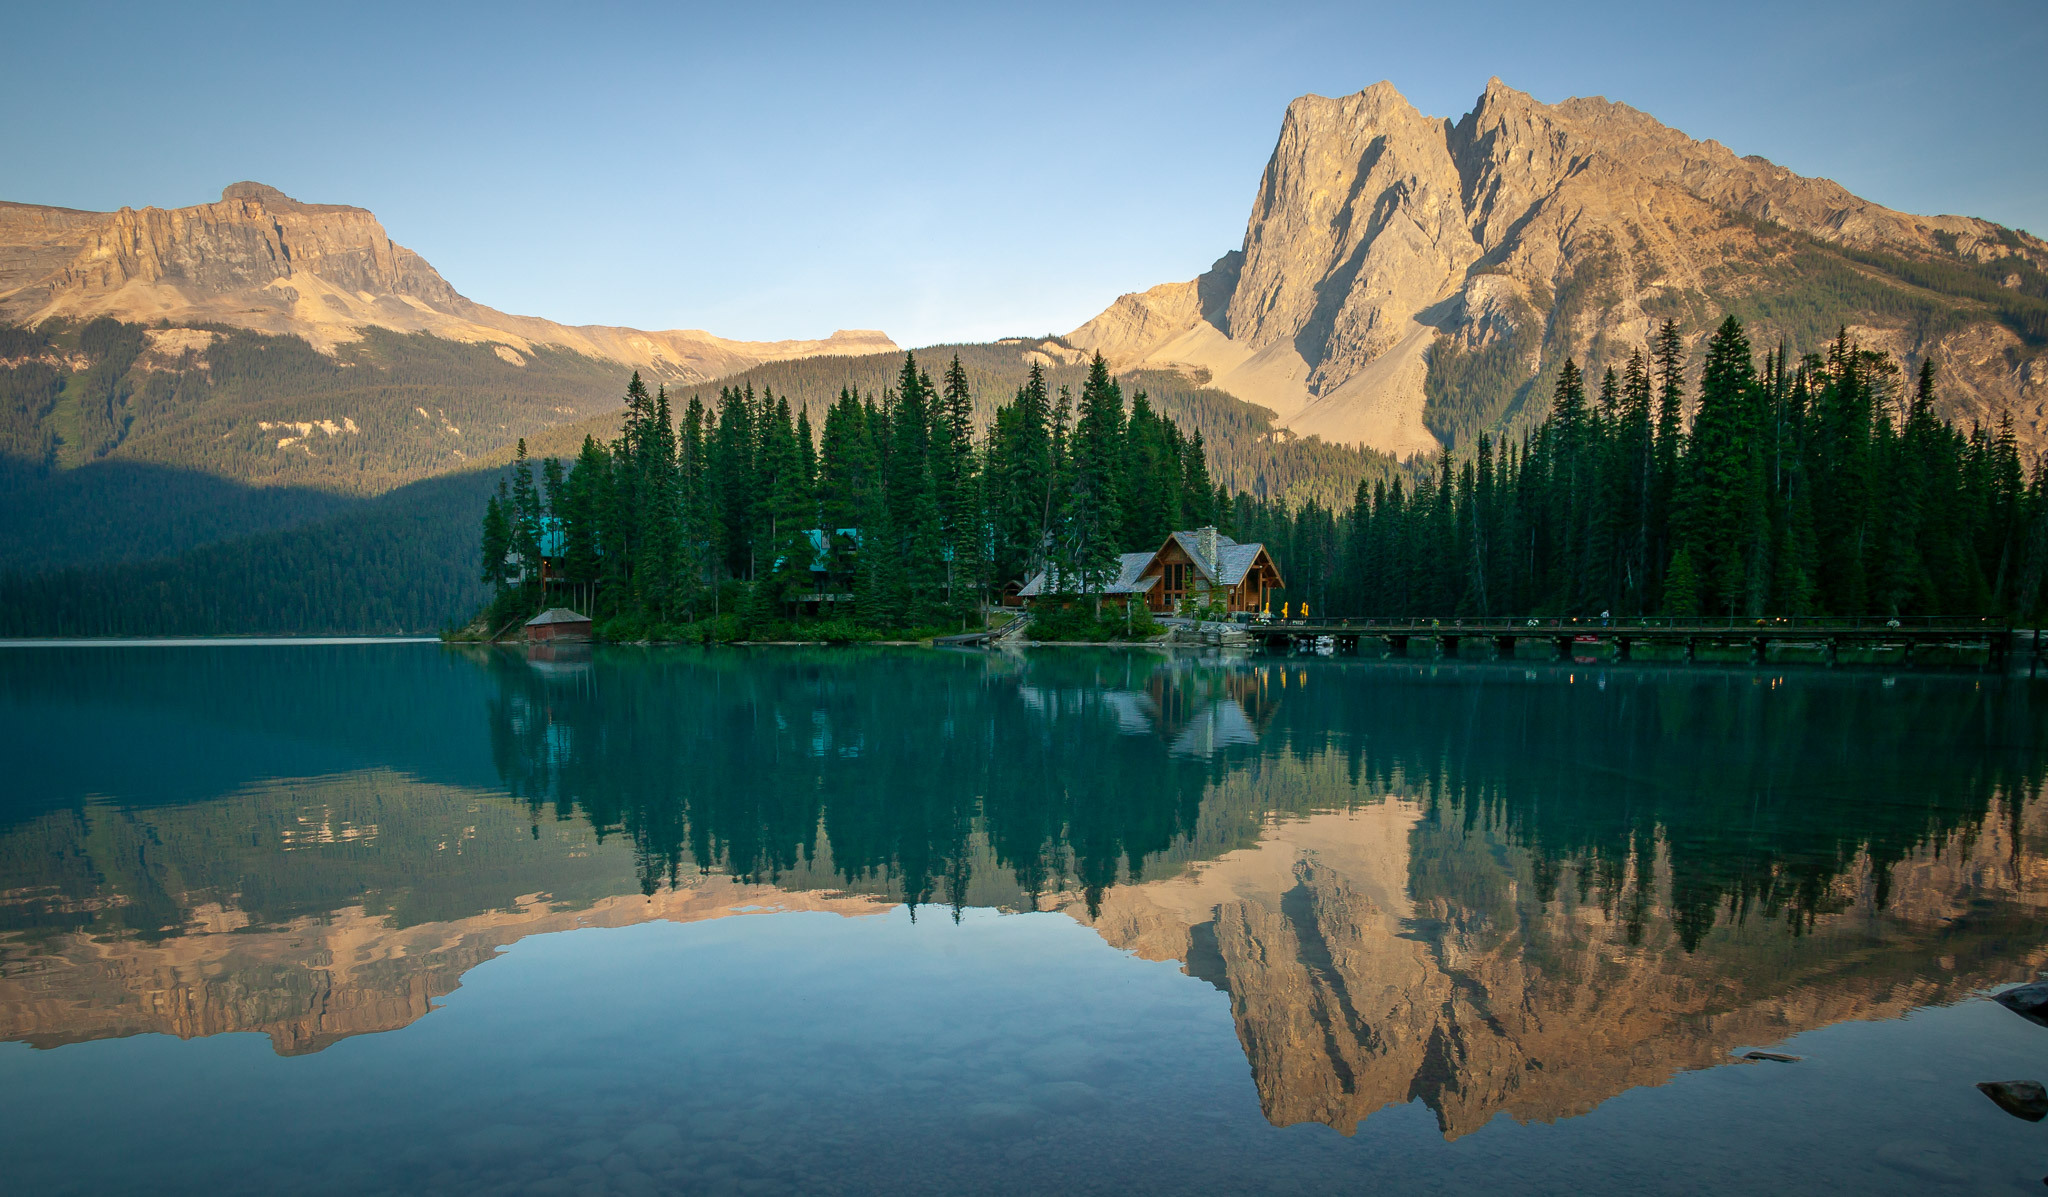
[[1712, 482], [740, 520], [1819, 485], [1822, 485], [125, 444]]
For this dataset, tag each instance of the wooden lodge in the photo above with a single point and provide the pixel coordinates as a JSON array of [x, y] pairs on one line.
[[1199, 567], [558, 625]]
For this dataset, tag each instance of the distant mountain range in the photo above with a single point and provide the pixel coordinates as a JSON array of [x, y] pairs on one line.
[[262, 260], [206, 380], [1407, 281]]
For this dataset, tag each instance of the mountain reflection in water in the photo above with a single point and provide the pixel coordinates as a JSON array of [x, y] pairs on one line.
[[1490, 889]]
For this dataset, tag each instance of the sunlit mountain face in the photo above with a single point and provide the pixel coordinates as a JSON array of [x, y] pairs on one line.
[[1485, 890]]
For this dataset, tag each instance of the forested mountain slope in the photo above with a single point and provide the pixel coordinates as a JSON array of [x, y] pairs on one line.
[[385, 410], [1247, 452], [1790, 491], [119, 442], [124, 546], [405, 561]]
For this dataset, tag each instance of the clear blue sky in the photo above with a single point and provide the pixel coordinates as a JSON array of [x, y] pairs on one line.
[[942, 171]]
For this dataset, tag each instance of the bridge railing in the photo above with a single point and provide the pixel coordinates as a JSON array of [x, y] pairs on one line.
[[1592, 625]]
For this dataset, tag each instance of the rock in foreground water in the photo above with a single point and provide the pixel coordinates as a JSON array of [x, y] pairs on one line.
[[2021, 1099], [2027, 1001]]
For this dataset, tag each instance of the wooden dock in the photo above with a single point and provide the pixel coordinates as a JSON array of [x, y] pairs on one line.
[[1999, 638]]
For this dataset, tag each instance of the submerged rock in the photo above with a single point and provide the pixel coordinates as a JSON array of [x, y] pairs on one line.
[[1774, 1057], [2021, 1099], [2028, 1001]]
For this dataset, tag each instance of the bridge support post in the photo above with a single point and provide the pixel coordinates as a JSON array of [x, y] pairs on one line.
[[1756, 651], [1563, 645], [1834, 650], [1621, 648], [1504, 646], [1692, 648], [1397, 646], [1447, 646]]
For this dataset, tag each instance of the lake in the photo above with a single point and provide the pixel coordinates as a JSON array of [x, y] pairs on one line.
[[379, 917]]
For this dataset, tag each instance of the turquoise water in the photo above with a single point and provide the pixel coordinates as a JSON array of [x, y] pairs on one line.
[[399, 918]]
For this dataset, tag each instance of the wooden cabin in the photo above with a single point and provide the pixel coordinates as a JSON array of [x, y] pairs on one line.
[[1200, 566], [558, 625]]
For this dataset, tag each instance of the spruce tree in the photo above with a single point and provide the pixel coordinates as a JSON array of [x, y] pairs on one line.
[[1094, 516], [1721, 504], [916, 542], [1668, 354], [957, 490], [1197, 490], [525, 517], [699, 518], [850, 507], [581, 493], [1682, 586], [733, 486], [787, 513], [1151, 486], [1019, 470], [497, 541]]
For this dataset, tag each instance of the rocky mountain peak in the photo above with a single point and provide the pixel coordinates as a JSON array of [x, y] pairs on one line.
[[1359, 188], [262, 193], [261, 259], [1382, 241]]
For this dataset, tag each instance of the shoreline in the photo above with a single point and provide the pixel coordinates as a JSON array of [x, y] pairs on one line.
[[817, 643], [193, 641]]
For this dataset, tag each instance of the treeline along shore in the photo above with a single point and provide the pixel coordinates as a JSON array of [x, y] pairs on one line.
[[893, 520], [1714, 481], [1824, 484], [1816, 485]]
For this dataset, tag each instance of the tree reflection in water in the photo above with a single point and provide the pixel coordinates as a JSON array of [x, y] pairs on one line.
[[1488, 889], [1491, 889], [1078, 770]]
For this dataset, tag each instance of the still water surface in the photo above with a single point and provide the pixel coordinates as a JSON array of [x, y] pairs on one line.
[[400, 918]]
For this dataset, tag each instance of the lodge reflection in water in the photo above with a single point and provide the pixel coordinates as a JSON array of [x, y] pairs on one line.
[[1487, 889]]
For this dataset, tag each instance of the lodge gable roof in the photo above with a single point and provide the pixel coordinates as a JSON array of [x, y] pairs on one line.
[[557, 615], [1137, 573]]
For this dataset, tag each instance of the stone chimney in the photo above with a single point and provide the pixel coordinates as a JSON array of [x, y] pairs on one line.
[[1207, 539]]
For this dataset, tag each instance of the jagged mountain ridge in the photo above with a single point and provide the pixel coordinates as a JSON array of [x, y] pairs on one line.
[[1384, 244], [1343, 1005], [1354, 991], [262, 260]]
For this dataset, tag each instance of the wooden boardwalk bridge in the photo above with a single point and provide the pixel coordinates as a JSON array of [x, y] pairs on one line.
[[2000, 639]]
